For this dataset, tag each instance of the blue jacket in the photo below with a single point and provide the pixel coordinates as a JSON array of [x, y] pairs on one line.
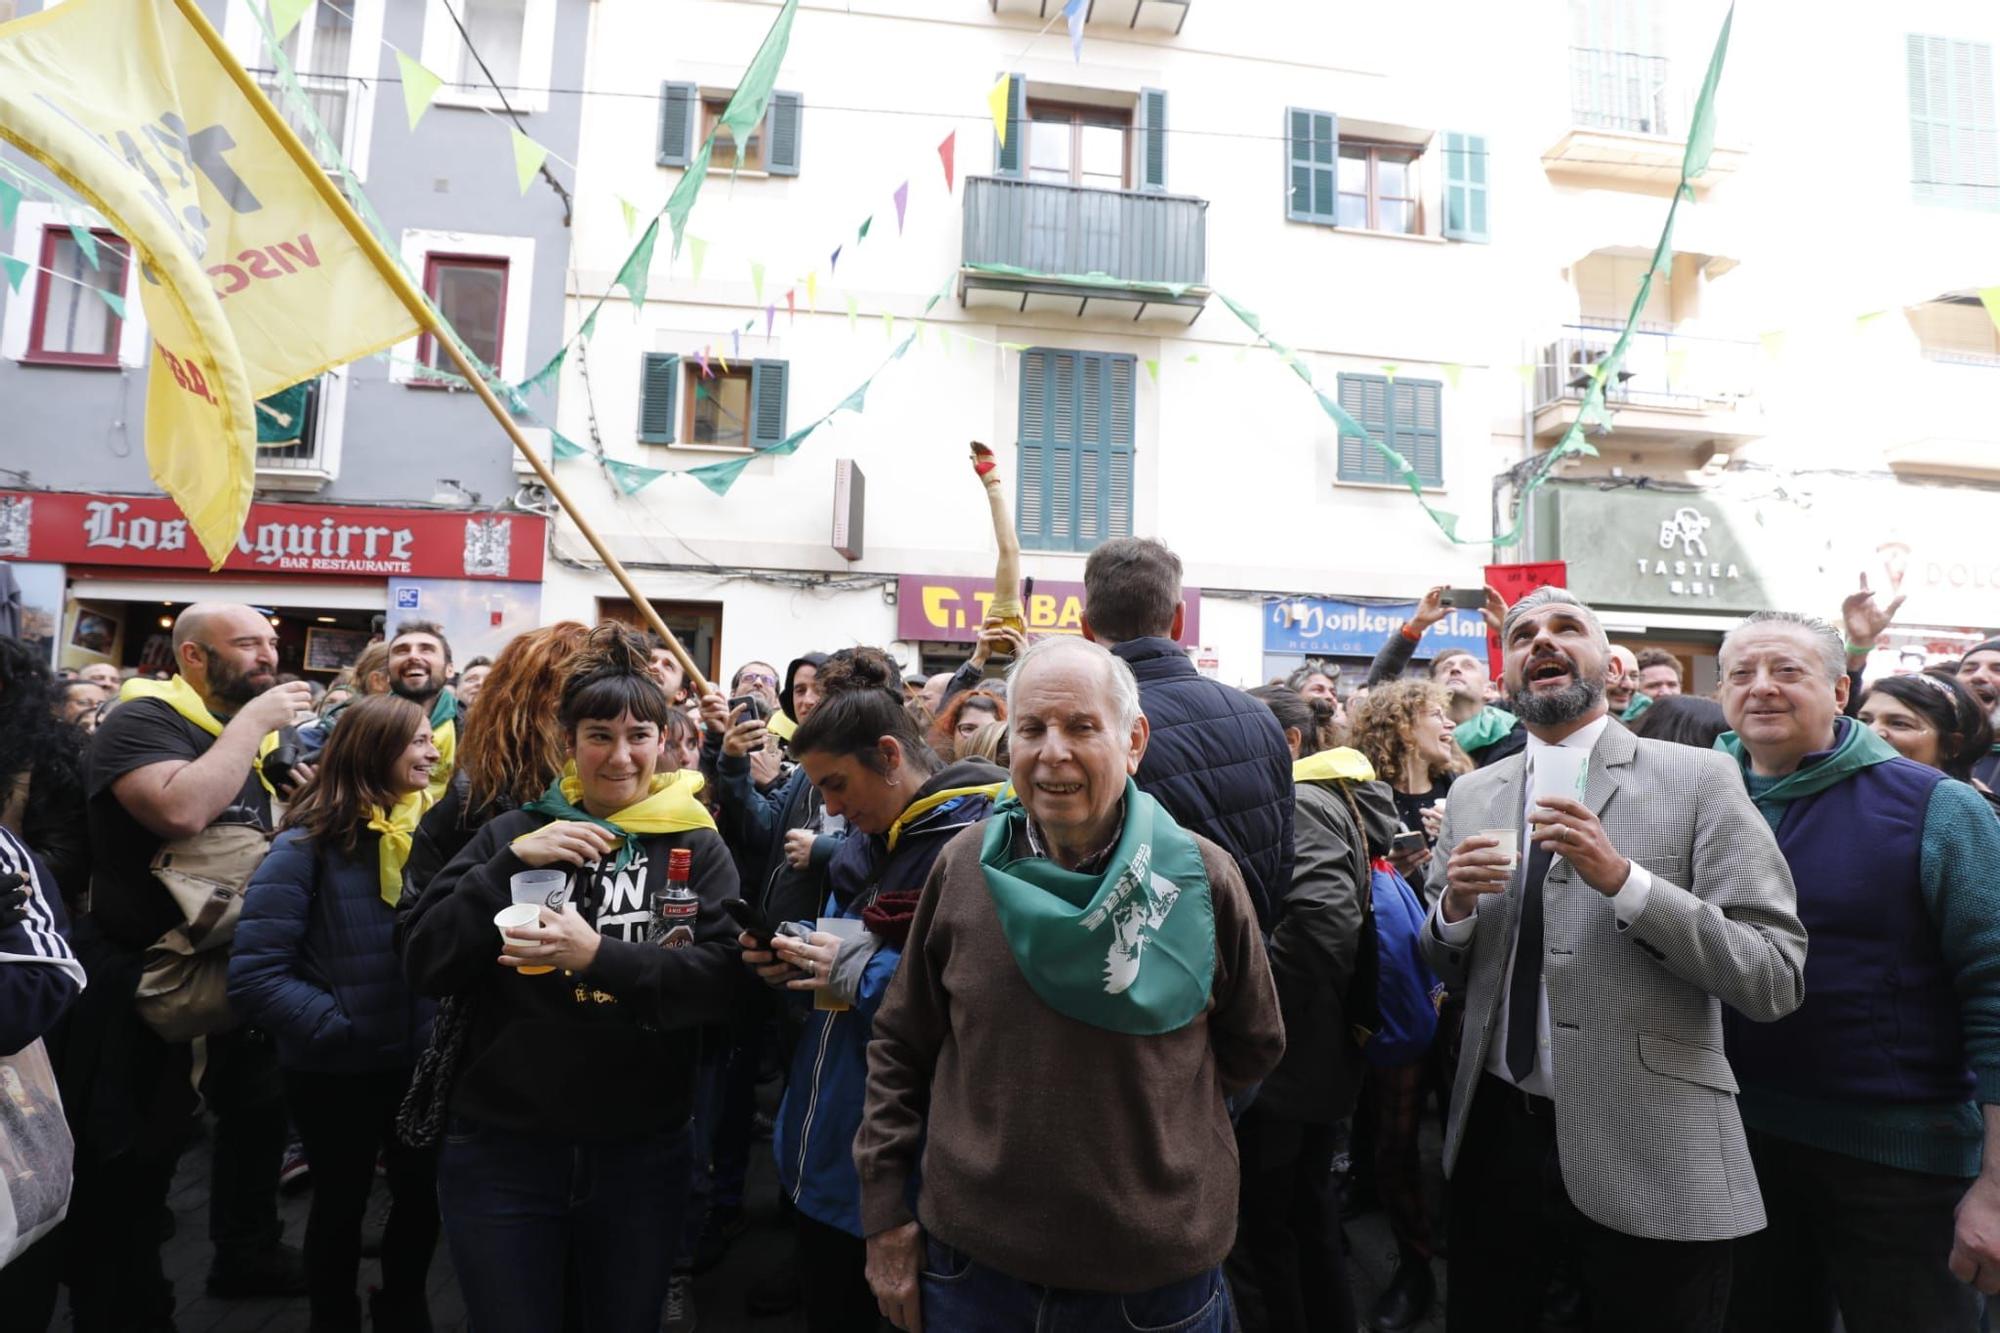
[[814, 1140], [314, 962], [39, 975], [1218, 761]]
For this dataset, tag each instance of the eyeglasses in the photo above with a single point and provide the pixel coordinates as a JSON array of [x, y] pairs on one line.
[[756, 678]]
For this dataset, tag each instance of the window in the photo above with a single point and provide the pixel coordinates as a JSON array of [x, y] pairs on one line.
[[496, 29], [741, 408], [1406, 415], [689, 114], [333, 51], [1954, 134], [1378, 187], [1078, 145], [73, 325], [1076, 440], [516, 39], [1465, 187], [471, 291]]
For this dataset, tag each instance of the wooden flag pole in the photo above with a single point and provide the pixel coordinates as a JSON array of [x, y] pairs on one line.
[[414, 301]]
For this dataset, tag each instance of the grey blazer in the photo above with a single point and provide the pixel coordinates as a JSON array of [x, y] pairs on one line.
[[1646, 1123]]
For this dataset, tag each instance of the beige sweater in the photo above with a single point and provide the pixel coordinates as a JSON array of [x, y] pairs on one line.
[[1058, 1153]]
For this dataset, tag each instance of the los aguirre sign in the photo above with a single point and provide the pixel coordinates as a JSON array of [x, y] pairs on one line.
[[72, 528]]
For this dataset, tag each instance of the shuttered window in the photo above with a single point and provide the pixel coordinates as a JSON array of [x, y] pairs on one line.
[[1954, 125], [1076, 447], [1008, 157], [770, 396], [1312, 152], [1465, 187], [680, 110], [782, 124], [659, 377], [1406, 415], [1152, 164]]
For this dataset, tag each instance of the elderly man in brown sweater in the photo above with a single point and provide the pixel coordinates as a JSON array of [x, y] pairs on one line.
[[1084, 983]]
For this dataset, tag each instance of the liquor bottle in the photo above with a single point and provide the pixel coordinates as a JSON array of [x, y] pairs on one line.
[[675, 906]]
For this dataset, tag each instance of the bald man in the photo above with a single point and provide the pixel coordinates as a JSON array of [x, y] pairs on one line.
[[172, 760]]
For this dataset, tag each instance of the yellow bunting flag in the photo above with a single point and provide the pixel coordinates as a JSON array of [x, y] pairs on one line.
[[1990, 298], [1773, 344], [997, 98], [853, 311], [419, 87], [285, 15], [239, 232], [631, 212], [698, 251], [888, 326], [1526, 370], [757, 282], [812, 292], [1452, 370], [528, 159]]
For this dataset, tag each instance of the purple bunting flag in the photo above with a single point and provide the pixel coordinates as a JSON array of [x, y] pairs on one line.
[[902, 202]]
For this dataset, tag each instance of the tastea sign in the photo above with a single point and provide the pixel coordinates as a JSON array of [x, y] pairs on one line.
[[83, 529], [1660, 549]]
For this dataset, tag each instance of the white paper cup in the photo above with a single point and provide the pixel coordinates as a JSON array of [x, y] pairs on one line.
[[1559, 770], [1509, 841], [543, 888], [515, 916]]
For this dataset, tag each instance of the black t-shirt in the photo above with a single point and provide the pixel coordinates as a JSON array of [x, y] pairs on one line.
[[128, 904]]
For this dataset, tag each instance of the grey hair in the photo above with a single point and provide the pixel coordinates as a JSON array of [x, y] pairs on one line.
[[1542, 597], [1124, 685], [1826, 640]]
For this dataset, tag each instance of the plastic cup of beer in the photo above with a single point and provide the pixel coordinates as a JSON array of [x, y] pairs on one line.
[[1508, 840], [512, 918], [846, 927], [544, 888]]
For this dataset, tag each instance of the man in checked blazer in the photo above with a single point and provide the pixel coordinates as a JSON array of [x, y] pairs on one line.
[[1594, 1113]]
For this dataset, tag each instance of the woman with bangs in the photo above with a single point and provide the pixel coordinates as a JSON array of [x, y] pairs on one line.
[[567, 1148]]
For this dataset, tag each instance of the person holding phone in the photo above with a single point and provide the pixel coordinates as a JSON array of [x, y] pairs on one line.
[[567, 1157], [872, 766], [314, 965]]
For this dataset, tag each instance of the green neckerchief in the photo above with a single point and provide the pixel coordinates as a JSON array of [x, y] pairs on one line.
[[669, 806], [1641, 701], [1131, 949], [1855, 747], [1483, 728], [444, 735]]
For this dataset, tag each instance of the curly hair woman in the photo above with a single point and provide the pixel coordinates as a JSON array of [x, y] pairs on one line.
[[961, 718], [41, 770]]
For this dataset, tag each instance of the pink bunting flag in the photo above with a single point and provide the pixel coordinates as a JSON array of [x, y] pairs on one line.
[[701, 355], [902, 202], [792, 305], [948, 151]]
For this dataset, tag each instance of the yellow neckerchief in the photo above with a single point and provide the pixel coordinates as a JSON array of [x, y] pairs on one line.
[[184, 699], [444, 735], [669, 806], [397, 825], [925, 804], [780, 724], [1342, 763]]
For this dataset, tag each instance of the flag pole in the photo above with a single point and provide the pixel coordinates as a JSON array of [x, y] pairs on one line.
[[414, 301]]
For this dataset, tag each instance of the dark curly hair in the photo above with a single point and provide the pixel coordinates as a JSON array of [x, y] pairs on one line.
[[48, 752], [861, 701], [610, 676]]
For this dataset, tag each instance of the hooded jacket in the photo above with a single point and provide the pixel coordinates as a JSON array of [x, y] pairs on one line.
[[754, 824], [814, 1139], [1312, 949], [39, 975], [1218, 762]]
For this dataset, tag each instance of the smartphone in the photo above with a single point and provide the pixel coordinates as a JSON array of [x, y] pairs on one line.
[[752, 705], [1408, 842], [750, 920], [1466, 599]]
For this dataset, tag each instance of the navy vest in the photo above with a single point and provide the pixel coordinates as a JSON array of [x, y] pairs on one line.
[[1880, 1022]]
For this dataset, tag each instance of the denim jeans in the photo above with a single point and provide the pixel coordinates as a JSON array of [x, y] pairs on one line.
[[963, 1296], [521, 1208]]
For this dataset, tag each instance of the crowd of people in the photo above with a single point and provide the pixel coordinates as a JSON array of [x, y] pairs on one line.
[[1098, 994]]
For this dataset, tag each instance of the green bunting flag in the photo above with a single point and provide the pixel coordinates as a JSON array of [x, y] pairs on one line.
[[866, 223], [10, 198], [545, 378], [633, 276], [719, 477], [564, 448], [84, 242], [419, 87], [589, 329], [630, 477], [741, 117], [112, 299], [528, 159], [17, 269]]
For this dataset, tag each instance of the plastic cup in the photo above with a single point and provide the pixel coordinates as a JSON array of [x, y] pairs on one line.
[[846, 927], [1559, 770], [544, 888], [512, 918], [1509, 841]]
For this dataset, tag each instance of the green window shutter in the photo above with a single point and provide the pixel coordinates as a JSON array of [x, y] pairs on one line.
[[659, 383], [1031, 506], [680, 109], [1120, 377], [1427, 431], [1010, 158], [770, 394], [1312, 152], [1152, 165], [1465, 187], [781, 140], [1366, 399]]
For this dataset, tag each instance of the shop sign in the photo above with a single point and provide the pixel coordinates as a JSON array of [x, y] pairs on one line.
[[1322, 627], [942, 608], [85, 529], [1661, 549]]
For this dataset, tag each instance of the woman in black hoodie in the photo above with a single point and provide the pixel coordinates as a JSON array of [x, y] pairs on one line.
[[568, 1144]]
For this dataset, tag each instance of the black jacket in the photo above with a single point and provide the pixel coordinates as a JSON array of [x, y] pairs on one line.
[[1218, 761], [1312, 951]]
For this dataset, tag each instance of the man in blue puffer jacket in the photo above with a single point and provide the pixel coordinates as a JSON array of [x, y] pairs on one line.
[[1217, 759]]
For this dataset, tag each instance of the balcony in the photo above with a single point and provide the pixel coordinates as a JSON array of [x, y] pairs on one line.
[[1673, 392], [1952, 431], [333, 101], [1033, 247], [1132, 15], [1628, 125]]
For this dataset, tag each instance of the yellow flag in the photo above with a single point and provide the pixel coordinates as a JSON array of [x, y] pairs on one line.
[[996, 100], [251, 281]]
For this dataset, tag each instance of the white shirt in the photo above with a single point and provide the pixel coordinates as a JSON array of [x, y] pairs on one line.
[[1626, 904]]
